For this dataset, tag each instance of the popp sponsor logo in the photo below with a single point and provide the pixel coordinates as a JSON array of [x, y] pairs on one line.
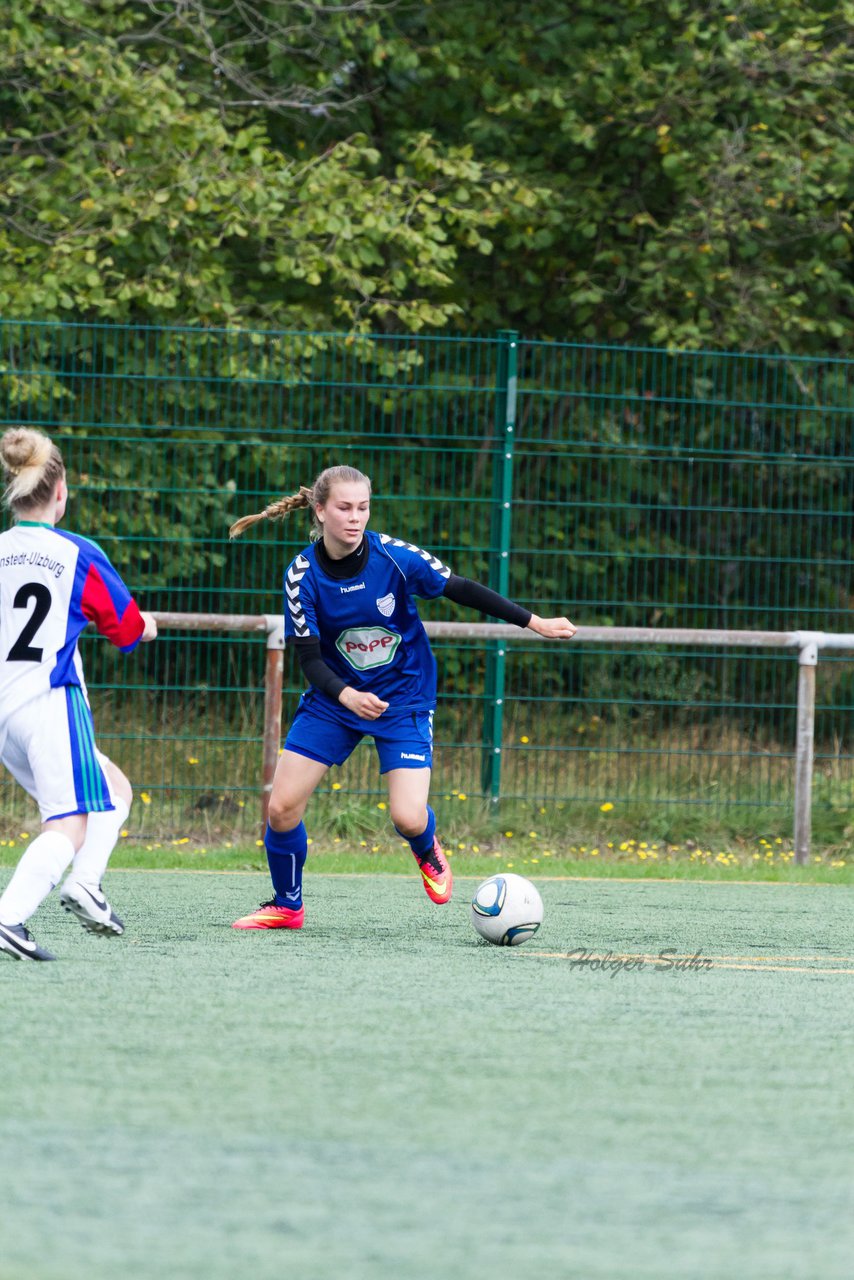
[[366, 647]]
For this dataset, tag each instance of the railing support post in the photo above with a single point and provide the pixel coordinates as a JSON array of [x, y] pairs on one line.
[[272, 708], [805, 747], [499, 577]]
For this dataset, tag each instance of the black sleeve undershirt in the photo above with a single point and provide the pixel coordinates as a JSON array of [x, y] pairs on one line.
[[460, 590], [476, 596], [315, 670]]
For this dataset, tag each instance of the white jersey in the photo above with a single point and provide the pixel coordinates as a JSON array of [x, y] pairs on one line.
[[52, 584]]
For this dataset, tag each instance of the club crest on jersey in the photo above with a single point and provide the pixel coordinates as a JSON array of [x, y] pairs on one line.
[[366, 647], [386, 604]]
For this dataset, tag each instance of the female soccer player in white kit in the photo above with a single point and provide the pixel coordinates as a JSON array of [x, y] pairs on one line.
[[52, 584]]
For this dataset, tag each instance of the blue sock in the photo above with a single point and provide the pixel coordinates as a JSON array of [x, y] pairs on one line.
[[286, 851], [424, 843]]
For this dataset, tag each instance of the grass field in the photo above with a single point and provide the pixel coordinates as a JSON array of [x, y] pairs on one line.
[[381, 1095]]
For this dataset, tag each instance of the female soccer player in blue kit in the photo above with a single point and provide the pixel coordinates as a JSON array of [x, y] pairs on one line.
[[52, 584], [350, 613]]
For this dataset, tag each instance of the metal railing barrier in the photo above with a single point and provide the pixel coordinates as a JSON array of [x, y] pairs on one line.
[[808, 644]]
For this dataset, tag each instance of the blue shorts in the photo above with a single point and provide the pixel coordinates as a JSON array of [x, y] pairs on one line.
[[403, 739]]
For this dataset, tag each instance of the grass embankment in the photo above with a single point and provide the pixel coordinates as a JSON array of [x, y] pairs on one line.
[[343, 858]]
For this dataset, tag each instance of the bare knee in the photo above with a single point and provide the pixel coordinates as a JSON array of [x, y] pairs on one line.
[[410, 817], [73, 826], [284, 814]]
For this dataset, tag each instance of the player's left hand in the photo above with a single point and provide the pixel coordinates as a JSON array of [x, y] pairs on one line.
[[552, 628]]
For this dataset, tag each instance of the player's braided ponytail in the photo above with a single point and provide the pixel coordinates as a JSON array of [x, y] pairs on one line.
[[32, 465], [275, 511], [314, 497]]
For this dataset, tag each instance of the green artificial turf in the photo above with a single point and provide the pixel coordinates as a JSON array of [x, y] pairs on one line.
[[383, 1096]]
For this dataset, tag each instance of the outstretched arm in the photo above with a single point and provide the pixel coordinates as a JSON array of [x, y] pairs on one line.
[[476, 596]]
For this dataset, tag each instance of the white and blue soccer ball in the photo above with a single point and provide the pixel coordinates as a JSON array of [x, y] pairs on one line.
[[506, 909]]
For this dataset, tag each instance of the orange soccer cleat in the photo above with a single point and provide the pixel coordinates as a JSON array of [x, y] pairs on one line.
[[271, 916], [436, 874]]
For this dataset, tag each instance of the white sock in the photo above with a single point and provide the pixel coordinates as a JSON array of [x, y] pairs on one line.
[[39, 870], [102, 832]]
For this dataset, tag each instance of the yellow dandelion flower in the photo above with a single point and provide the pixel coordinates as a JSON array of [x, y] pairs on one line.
[[192, 760], [524, 739], [336, 786], [462, 796], [381, 805], [145, 797], [606, 807]]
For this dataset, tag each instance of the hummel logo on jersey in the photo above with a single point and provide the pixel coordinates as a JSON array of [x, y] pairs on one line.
[[410, 755], [360, 586], [386, 605]]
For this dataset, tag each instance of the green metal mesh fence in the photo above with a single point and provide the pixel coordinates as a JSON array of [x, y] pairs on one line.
[[624, 486]]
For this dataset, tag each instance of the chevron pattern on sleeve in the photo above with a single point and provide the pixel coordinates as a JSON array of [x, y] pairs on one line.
[[432, 560], [293, 578]]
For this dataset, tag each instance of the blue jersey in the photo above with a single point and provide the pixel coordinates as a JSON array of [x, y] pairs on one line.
[[368, 626]]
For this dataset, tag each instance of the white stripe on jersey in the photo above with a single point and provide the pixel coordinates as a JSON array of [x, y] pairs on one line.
[[434, 563], [293, 578]]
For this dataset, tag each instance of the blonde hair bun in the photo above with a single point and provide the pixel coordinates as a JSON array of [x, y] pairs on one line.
[[32, 464], [24, 447]]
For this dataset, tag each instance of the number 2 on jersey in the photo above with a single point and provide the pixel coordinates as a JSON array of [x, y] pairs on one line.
[[22, 650]]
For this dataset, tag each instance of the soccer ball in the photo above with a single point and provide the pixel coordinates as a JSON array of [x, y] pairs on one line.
[[506, 910]]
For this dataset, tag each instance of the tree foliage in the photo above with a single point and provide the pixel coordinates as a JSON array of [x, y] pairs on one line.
[[679, 174], [129, 189]]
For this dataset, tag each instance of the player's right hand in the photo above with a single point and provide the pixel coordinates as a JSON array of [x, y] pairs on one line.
[[150, 632], [365, 705]]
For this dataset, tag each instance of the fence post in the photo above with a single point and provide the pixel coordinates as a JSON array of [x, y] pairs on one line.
[[804, 747], [499, 575], [272, 707]]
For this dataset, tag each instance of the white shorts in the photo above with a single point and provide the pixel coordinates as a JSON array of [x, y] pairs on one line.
[[49, 747]]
